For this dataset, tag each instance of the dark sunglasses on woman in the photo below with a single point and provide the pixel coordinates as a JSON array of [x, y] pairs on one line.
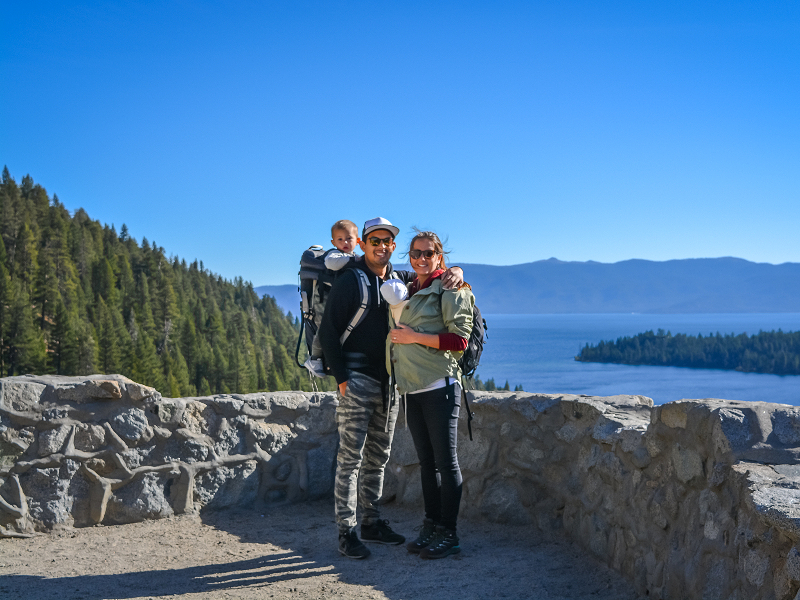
[[415, 254]]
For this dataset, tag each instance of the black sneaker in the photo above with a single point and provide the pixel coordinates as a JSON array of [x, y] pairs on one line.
[[351, 546], [425, 537], [380, 533], [444, 543]]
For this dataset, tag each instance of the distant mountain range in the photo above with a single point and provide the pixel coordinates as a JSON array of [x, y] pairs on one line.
[[698, 285]]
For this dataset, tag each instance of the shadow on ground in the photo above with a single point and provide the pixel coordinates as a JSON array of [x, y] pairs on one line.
[[256, 572], [291, 552]]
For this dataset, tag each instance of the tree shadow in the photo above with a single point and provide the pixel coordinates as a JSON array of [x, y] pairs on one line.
[[256, 572]]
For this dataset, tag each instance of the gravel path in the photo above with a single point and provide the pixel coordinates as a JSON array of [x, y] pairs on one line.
[[290, 552]]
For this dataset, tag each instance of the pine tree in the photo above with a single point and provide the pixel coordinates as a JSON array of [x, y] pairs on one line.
[[63, 342], [108, 347], [5, 300], [27, 347]]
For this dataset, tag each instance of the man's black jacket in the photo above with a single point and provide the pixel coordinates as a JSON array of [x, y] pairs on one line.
[[368, 338]]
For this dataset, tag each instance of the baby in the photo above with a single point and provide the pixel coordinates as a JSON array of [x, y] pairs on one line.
[[395, 293], [344, 237]]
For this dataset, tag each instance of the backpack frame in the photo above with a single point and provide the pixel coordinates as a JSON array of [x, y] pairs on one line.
[[315, 281]]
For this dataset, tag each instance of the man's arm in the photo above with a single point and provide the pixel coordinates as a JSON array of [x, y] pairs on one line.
[[339, 308], [453, 277]]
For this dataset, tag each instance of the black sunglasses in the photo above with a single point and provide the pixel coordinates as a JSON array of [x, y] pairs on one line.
[[415, 254], [376, 241]]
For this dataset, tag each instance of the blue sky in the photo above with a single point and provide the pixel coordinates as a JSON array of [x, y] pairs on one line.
[[236, 133]]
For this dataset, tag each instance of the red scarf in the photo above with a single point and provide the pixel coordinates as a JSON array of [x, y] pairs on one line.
[[416, 287]]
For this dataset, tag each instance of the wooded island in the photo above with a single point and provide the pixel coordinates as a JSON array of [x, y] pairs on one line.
[[775, 352]]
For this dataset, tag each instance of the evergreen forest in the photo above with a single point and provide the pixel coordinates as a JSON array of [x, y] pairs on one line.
[[78, 297], [773, 352]]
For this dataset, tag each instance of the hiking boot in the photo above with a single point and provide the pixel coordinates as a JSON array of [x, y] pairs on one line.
[[380, 533], [351, 547], [444, 543], [425, 537]]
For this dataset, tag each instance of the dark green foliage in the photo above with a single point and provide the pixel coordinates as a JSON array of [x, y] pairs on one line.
[[765, 352], [76, 298], [490, 386]]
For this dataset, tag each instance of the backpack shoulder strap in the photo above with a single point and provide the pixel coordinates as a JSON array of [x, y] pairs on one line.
[[361, 312]]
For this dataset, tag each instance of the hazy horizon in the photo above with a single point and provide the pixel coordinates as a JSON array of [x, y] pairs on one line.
[[405, 265]]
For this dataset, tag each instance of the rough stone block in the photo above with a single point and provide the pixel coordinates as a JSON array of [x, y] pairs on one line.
[[786, 426], [228, 486], [137, 391], [641, 458], [525, 455], [199, 418], [89, 391], [756, 564], [321, 421], [687, 463], [501, 504], [49, 500], [673, 415], [474, 455], [230, 438], [9, 452], [146, 497], [189, 450], [52, 441], [720, 572], [89, 437], [132, 426], [321, 465], [610, 470], [22, 395], [169, 411], [793, 564], [779, 506], [568, 433], [271, 437], [136, 457]]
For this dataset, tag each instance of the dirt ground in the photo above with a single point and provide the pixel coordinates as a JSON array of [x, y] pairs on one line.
[[291, 552]]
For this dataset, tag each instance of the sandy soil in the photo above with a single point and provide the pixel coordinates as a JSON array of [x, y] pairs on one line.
[[291, 552]]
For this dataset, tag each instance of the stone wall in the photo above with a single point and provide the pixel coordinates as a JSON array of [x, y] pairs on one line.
[[692, 499], [81, 451]]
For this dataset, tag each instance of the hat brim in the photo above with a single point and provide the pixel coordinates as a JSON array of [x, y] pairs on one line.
[[391, 228]]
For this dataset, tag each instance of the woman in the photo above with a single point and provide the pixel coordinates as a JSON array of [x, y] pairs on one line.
[[423, 353]]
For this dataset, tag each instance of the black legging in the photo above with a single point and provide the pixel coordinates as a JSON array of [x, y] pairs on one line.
[[433, 422]]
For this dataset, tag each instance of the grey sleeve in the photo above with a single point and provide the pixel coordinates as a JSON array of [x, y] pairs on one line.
[[336, 260]]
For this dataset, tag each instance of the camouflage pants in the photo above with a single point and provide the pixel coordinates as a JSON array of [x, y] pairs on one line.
[[364, 446]]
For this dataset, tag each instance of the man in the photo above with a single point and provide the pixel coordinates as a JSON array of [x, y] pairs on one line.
[[365, 416]]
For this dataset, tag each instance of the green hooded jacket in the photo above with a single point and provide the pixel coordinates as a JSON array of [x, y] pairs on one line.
[[431, 310]]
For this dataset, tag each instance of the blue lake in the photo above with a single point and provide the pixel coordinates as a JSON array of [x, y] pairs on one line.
[[537, 351]]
